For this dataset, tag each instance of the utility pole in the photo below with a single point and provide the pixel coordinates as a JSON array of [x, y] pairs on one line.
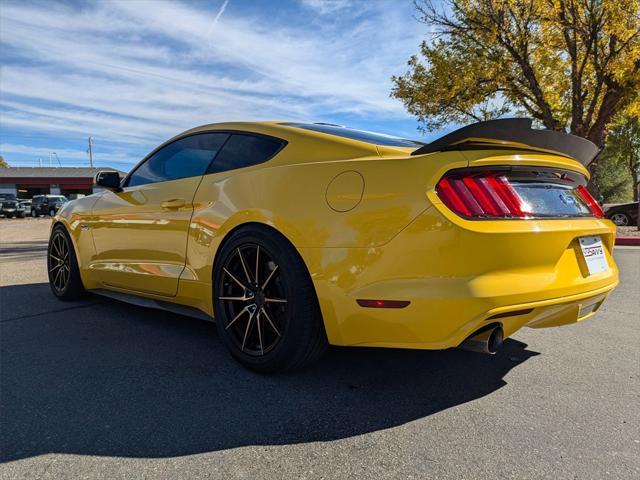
[[58, 158], [90, 150]]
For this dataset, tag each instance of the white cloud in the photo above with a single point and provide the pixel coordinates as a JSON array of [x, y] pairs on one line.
[[65, 154], [326, 6], [223, 7], [139, 72]]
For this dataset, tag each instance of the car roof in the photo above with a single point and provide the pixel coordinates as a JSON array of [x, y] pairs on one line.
[[304, 145]]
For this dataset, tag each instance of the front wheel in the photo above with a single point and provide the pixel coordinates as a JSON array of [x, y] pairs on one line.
[[33, 213], [266, 309], [52, 213], [62, 264]]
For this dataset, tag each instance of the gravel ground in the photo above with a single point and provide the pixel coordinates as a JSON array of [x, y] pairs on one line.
[[628, 232], [103, 390]]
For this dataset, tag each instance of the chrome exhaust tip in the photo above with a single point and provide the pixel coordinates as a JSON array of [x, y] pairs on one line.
[[486, 340]]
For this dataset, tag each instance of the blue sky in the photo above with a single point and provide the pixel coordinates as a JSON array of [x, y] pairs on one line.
[[132, 73]]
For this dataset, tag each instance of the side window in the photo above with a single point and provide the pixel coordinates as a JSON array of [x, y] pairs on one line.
[[187, 157], [244, 150]]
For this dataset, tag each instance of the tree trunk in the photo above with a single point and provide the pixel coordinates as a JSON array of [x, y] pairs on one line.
[[637, 194]]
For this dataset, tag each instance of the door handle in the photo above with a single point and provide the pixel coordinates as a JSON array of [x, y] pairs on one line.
[[173, 203]]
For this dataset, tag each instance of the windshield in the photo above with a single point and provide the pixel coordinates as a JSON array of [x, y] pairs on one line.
[[7, 196], [361, 135], [58, 199]]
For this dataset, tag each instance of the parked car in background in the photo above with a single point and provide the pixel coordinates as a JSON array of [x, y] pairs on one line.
[[26, 205], [10, 207], [622, 213], [47, 204]]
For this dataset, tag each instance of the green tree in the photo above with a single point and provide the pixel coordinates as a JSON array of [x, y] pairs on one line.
[[569, 64], [613, 179], [3, 162], [619, 170]]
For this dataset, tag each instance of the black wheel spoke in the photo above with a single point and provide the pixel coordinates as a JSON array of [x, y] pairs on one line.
[[266, 282], [55, 280], [275, 300], [246, 331], [253, 329], [257, 262], [259, 328], [266, 315], [240, 284], [244, 310], [56, 246], [244, 267]]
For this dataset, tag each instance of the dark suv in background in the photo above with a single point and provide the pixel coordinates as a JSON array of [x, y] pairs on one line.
[[46, 204], [9, 206]]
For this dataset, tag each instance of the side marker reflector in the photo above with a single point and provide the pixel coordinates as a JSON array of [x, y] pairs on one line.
[[383, 303]]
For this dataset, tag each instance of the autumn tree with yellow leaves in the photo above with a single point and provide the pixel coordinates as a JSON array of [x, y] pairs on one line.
[[569, 64]]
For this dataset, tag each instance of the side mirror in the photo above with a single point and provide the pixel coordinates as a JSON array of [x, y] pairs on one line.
[[108, 180]]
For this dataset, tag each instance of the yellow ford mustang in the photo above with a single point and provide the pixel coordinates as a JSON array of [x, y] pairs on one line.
[[299, 235]]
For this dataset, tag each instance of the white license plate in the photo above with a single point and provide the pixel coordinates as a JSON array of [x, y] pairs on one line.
[[593, 253]]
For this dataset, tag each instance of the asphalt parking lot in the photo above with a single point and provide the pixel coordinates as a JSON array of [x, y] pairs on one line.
[[101, 389]]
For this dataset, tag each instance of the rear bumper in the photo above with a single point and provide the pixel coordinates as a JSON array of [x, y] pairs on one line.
[[460, 275]]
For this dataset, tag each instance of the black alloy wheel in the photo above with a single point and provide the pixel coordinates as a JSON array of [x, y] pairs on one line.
[[620, 219], [62, 266], [266, 309]]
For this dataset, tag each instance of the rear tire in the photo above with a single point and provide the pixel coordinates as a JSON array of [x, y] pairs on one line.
[[269, 321], [33, 213], [62, 265], [52, 213]]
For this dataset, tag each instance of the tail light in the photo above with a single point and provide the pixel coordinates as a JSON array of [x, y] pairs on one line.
[[516, 194], [590, 201]]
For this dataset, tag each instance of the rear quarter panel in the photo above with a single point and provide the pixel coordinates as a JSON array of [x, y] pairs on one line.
[[293, 200]]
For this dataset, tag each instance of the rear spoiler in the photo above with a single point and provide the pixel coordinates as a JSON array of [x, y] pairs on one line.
[[514, 132]]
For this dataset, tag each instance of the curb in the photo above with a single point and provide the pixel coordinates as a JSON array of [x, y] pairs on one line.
[[634, 241]]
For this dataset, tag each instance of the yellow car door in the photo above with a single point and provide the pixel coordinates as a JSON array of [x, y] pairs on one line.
[[140, 233]]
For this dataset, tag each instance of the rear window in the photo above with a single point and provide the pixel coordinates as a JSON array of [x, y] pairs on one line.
[[244, 150], [360, 135]]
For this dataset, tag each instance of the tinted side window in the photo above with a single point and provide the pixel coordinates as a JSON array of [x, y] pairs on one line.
[[244, 150], [187, 157]]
